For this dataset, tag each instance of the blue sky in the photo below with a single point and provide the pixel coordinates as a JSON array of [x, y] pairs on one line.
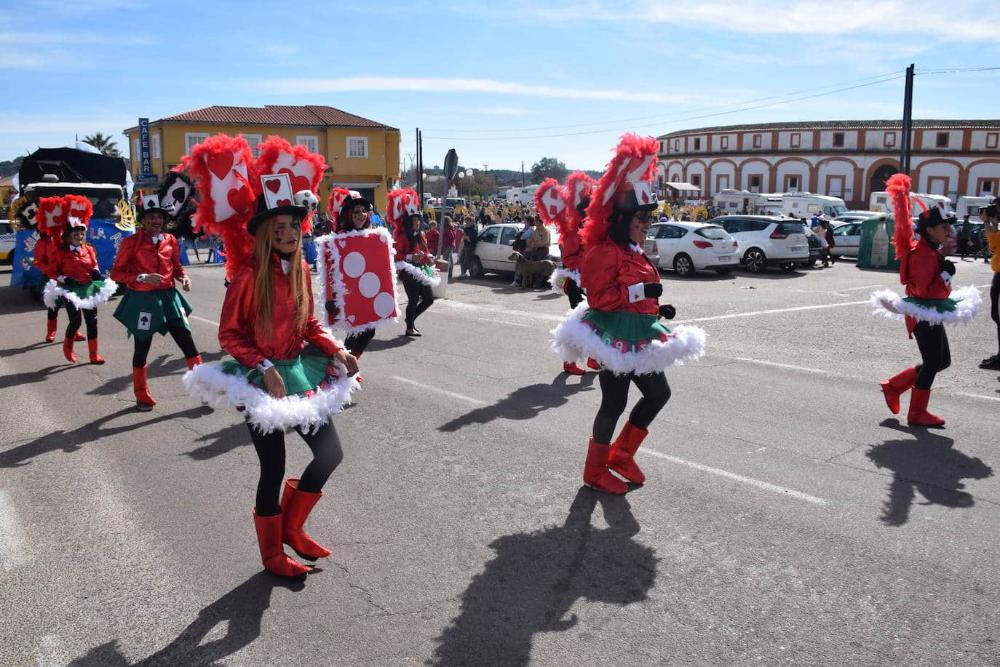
[[500, 81]]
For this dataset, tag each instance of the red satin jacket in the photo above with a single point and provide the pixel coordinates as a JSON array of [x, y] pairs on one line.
[[238, 335], [607, 272], [138, 254], [415, 253], [44, 249], [65, 262], [572, 251], [923, 276]]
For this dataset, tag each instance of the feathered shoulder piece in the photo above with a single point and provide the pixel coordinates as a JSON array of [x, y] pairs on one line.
[[625, 185], [898, 189], [550, 201], [401, 203], [225, 175], [578, 188], [53, 212]]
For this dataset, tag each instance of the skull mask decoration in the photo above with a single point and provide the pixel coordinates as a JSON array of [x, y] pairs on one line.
[[308, 200]]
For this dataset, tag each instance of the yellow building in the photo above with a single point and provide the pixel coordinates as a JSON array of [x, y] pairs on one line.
[[362, 154]]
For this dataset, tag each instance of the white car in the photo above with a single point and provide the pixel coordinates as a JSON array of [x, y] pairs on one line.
[[493, 249], [8, 238], [847, 239], [686, 247], [767, 240]]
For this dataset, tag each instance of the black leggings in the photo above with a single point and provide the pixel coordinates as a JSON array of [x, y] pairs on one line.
[[418, 295], [935, 354], [52, 313], [181, 336], [327, 455], [614, 397], [994, 306], [574, 293], [89, 315], [357, 342]]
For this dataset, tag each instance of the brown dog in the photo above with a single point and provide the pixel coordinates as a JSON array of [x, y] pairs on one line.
[[534, 273]]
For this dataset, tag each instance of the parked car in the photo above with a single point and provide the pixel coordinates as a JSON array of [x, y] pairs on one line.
[[767, 240], [815, 248], [8, 238], [493, 249], [847, 239], [686, 247], [854, 216]]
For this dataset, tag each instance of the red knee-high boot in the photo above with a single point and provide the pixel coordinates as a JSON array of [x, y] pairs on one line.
[[50, 330], [68, 349], [296, 506], [622, 458], [143, 400], [78, 337], [95, 358], [896, 385], [571, 368], [193, 361], [918, 415], [272, 553], [595, 471]]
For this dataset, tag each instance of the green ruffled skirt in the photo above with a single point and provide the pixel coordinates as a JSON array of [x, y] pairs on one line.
[[148, 313]]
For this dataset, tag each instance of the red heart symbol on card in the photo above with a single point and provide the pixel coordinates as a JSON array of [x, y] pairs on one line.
[[552, 209], [273, 184], [220, 164], [284, 202], [299, 183], [239, 199]]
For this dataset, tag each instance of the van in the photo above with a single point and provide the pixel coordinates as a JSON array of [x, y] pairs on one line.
[[880, 202], [806, 204]]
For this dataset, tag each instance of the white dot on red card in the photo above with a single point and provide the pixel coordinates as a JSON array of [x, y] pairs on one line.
[[354, 264], [369, 285], [384, 305]]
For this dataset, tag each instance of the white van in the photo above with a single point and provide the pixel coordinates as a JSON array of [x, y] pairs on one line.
[[805, 204], [969, 206], [880, 203]]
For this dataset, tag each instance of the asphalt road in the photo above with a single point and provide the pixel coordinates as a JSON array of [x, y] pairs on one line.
[[787, 516]]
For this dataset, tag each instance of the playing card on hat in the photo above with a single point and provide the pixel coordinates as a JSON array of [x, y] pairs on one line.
[[277, 189]]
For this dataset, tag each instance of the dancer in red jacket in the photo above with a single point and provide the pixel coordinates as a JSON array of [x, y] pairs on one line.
[[929, 304], [280, 383], [148, 264], [414, 260], [619, 326], [49, 222]]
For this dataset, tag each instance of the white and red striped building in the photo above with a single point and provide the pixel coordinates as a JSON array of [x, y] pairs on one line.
[[844, 158]]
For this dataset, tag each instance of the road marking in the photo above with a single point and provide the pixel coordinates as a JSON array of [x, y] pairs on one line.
[[459, 305], [849, 289], [461, 397], [766, 486], [777, 365], [506, 322], [202, 319], [985, 398], [773, 311]]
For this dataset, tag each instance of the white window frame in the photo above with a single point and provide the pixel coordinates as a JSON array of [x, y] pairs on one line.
[[724, 143], [992, 139], [348, 149], [134, 145], [254, 141], [310, 141], [192, 139], [154, 145]]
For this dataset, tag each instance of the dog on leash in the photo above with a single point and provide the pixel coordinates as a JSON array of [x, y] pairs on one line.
[[534, 272]]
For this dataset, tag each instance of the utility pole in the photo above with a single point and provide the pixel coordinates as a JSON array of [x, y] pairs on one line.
[[906, 144], [420, 168], [522, 173]]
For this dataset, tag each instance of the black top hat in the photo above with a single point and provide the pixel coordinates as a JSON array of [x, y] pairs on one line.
[[931, 217], [275, 199], [151, 204]]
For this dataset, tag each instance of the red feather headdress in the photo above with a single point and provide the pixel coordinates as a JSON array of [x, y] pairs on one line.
[[631, 170], [337, 198], [578, 187], [550, 201], [304, 168], [53, 212], [79, 207], [898, 188], [401, 204]]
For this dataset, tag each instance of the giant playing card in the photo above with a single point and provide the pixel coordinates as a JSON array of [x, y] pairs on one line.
[[357, 272]]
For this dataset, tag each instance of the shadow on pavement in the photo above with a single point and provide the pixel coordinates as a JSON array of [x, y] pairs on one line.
[[535, 578], [71, 441], [40, 375], [926, 462], [524, 402], [221, 442], [387, 344], [162, 366], [14, 351], [240, 611]]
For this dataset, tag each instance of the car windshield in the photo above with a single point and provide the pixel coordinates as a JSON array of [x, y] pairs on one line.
[[792, 228], [651, 232], [834, 210], [715, 233]]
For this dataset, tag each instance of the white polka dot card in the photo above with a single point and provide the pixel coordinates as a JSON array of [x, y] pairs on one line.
[[358, 274]]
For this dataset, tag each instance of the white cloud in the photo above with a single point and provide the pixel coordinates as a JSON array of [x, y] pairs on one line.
[[501, 111], [437, 86]]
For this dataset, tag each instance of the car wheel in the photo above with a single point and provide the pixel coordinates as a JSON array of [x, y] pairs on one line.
[[475, 268], [683, 265], [754, 260]]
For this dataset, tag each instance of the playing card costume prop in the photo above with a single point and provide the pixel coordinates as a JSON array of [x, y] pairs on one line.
[[412, 256], [929, 304], [316, 386], [357, 272]]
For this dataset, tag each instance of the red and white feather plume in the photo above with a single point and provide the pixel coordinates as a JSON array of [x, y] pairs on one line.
[[632, 168], [400, 204], [53, 213], [79, 207], [304, 168], [578, 187], [550, 201], [337, 198], [898, 188]]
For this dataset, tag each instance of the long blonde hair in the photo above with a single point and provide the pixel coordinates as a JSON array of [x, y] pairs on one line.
[[263, 281]]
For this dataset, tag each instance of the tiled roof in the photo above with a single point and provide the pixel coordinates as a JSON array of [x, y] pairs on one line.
[[839, 125], [274, 114]]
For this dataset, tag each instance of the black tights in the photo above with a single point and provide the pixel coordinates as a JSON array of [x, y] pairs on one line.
[[89, 315], [614, 397], [181, 336], [995, 305], [418, 295], [327, 455], [52, 313], [574, 293], [934, 352], [357, 342]]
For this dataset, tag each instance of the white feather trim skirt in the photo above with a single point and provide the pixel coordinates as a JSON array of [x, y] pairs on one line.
[[561, 275], [418, 273], [83, 297], [578, 338], [960, 308], [226, 384]]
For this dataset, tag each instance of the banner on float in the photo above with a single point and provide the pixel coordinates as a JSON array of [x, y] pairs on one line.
[[102, 234], [357, 273]]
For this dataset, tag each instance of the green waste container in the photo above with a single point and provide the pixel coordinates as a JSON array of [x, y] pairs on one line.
[[875, 250]]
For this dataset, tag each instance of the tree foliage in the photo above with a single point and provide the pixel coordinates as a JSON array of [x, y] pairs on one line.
[[548, 167], [103, 143]]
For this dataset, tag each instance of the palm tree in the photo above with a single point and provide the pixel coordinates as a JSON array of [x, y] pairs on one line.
[[103, 144]]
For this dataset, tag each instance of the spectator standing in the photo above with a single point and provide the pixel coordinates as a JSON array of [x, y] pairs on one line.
[[991, 230], [537, 247]]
